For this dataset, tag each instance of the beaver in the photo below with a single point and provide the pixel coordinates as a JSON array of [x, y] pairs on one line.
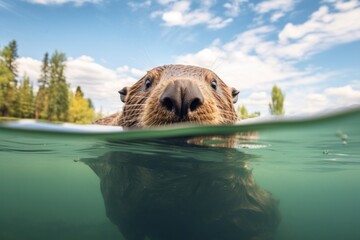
[[172, 94], [159, 194]]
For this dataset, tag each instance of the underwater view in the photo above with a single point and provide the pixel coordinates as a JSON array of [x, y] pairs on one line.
[[278, 178], [179, 120]]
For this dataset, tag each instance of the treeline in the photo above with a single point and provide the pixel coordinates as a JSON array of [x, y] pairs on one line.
[[54, 101]]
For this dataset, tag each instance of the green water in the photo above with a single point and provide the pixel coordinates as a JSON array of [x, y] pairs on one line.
[[182, 182]]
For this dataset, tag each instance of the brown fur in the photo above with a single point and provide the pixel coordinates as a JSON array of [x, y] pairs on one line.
[[142, 108], [162, 196]]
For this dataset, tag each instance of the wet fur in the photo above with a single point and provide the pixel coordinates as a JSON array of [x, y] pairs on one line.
[[143, 109], [163, 197]]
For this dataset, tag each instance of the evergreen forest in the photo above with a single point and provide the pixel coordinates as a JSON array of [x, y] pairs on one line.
[[53, 100]]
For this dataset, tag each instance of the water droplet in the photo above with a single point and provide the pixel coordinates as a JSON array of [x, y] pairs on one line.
[[343, 136]]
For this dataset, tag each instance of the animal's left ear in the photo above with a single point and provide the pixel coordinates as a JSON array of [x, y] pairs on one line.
[[235, 94], [123, 93]]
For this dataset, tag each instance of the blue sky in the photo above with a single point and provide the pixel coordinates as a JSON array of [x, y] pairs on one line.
[[309, 48]]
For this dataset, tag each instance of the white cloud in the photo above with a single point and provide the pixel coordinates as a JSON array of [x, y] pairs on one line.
[[233, 7], [165, 2], [135, 5], [250, 40], [317, 98], [208, 3], [218, 22], [240, 70], [238, 64], [97, 82], [344, 6], [273, 5], [179, 13], [308, 100], [323, 30], [60, 2], [256, 101], [30, 67], [278, 8], [312, 77], [344, 95], [254, 62], [173, 18], [276, 16], [304, 100]]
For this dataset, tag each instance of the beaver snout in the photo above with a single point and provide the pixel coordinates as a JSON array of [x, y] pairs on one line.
[[181, 97]]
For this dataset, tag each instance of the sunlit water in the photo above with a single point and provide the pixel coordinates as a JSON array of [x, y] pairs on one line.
[[72, 182]]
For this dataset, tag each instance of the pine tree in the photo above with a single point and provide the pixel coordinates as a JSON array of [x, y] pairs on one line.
[[45, 68], [5, 75], [58, 89], [276, 106], [26, 99], [42, 98], [80, 109], [53, 99], [63, 101], [10, 55], [42, 103], [8, 83]]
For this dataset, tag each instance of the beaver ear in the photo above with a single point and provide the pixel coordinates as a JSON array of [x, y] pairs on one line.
[[123, 93], [235, 94]]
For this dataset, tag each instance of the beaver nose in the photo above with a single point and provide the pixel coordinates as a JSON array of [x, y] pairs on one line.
[[181, 97]]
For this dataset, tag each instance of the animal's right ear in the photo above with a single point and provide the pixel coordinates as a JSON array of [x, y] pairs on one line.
[[235, 94], [123, 93]]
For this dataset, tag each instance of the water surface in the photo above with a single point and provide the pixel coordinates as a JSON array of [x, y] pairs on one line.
[[298, 177]]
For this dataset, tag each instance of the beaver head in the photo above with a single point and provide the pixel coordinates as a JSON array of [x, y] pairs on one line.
[[178, 93]]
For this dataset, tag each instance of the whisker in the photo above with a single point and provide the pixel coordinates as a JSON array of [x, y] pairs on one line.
[[135, 105]]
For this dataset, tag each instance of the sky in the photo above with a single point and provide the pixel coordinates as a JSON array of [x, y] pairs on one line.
[[309, 48]]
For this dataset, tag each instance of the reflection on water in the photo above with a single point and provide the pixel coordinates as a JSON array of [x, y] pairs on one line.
[[177, 196]]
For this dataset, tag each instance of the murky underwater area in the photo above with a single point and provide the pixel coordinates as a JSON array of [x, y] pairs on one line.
[[281, 179]]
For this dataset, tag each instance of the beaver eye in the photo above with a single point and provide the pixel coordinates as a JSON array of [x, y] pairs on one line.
[[214, 84], [148, 83]]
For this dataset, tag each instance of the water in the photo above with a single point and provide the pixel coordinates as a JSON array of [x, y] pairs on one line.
[[291, 178]]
